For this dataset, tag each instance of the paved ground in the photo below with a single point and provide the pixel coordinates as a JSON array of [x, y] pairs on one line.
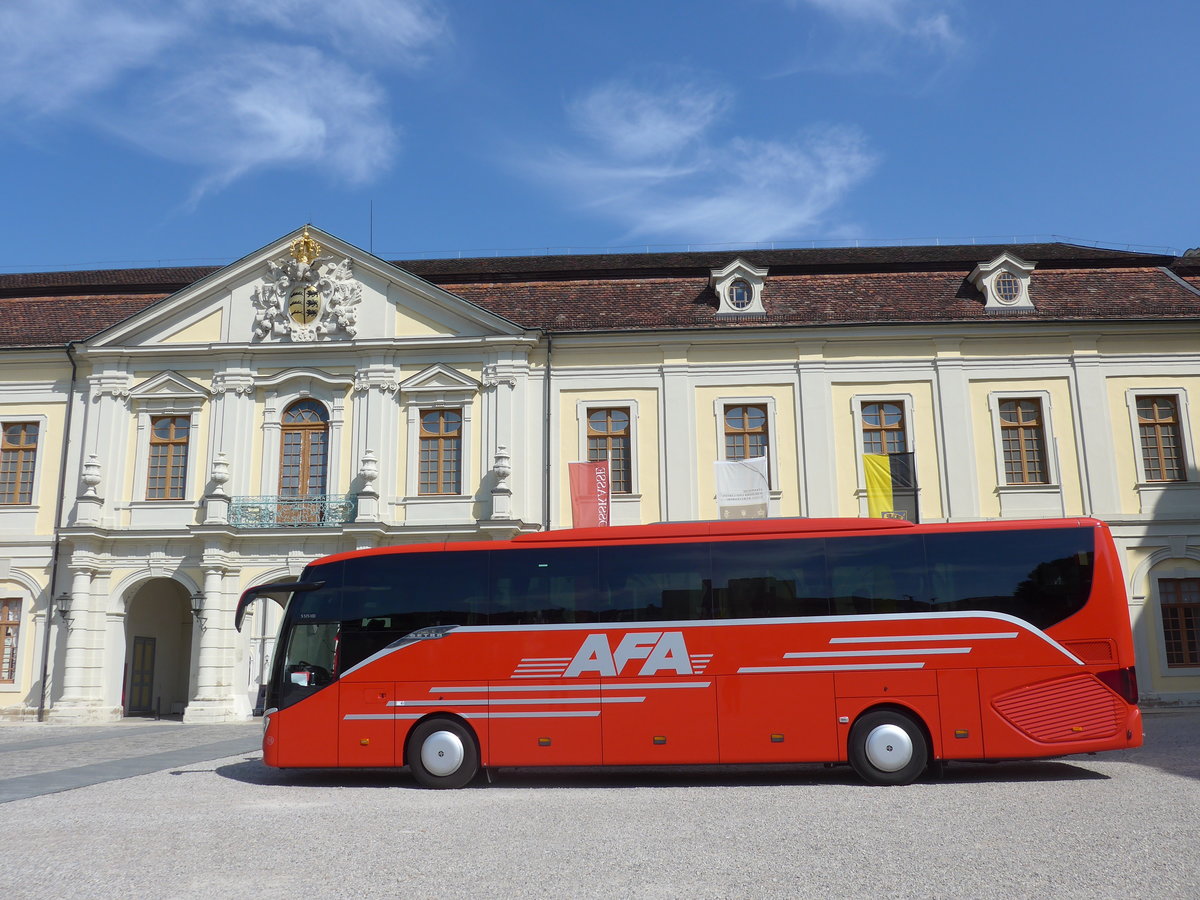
[[1115, 825]]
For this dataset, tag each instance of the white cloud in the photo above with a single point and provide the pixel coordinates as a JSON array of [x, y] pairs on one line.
[[923, 19], [655, 167], [385, 32], [55, 53], [635, 123], [191, 82], [243, 111]]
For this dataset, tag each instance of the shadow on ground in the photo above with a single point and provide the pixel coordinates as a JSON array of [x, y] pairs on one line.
[[254, 771]]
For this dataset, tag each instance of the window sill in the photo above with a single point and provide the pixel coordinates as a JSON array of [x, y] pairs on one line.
[[1030, 501], [1168, 498]]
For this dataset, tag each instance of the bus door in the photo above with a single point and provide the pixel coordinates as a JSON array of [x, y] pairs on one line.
[[306, 732]]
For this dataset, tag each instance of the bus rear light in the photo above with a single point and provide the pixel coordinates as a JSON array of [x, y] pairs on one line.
[[1123, 682]]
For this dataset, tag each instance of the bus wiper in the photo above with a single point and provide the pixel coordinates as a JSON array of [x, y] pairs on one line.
[[253, 593]]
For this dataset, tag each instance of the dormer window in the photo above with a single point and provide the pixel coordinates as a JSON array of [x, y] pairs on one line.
[[741, 295], [739, 288], [1004, 282]]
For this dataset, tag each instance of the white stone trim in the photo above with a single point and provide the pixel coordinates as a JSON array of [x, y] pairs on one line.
[[583, 409], [984, 277], [860, 475], [724, 277], [1025, 501], [27, 591], [1185, 432], [1150, 571], [309, 385], [719, 406], [438, 387], [21, 518]]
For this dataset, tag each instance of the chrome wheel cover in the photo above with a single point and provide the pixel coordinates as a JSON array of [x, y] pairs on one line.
[[889, 748], [442, 753]]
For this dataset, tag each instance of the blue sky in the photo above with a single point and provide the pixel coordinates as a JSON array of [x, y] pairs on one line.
[[136, 132]]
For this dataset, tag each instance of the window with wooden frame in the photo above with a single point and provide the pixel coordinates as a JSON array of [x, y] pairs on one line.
[[166, 474], [1023, 440], [304, 452], [18, 454], [10, 629], [1179, 601], [1159, 433], [746, 435], [440, 452], [608, 437], [883, 428]]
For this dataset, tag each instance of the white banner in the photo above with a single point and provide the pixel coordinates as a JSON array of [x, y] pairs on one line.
[[743, 491]]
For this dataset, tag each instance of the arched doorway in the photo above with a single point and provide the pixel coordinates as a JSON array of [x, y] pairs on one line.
[[158, 649], [304, 460], [261, 629]]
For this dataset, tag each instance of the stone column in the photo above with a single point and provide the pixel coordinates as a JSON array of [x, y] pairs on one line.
[[212, 694], [76, 673]]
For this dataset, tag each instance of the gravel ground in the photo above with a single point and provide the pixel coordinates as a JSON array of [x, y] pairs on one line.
[[1114, 825]]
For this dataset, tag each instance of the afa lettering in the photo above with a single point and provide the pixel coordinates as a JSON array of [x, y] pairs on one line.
[[663, 651]]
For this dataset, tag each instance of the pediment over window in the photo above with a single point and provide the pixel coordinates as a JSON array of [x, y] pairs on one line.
[[1004, 282], [739, 288], [168, 384], [168, 391], [439, 380]]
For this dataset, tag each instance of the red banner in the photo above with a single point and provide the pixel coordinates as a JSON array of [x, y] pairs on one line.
[[589, 494]]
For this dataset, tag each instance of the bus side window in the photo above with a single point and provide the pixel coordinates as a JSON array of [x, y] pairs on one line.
[[878, 575]]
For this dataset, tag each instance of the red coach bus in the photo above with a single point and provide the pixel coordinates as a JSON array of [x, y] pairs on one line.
[[874, 642]]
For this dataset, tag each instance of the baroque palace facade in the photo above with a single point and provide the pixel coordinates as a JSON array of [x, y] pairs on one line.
[[173, 436]]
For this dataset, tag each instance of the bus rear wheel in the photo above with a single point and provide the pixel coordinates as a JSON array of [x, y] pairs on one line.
[[442, 753], [888, 747]]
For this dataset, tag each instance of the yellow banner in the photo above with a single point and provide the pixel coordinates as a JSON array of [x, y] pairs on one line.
[[878, 471]]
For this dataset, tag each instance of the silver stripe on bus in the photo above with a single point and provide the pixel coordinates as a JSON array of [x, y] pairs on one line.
[[518, 701], [546, 659], [991, 635], [782, 620], [863, 667], [639, 686], [570, 714], [913, 651]]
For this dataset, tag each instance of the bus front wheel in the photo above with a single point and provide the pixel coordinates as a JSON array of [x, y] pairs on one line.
[[888, 747], [442, 753]]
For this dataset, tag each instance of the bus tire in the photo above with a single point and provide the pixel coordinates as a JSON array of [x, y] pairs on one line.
[[888, 746], [442, 753]]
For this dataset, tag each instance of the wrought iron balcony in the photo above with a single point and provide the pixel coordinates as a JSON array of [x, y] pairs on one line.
[[314, 511]]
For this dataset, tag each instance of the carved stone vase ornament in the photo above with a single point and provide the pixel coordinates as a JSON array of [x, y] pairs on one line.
[[304, 298]]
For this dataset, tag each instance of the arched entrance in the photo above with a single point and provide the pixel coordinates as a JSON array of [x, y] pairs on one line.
[[158, 649], [261, 628]]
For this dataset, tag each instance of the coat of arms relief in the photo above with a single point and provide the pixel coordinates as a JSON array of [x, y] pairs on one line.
[[305, 298]]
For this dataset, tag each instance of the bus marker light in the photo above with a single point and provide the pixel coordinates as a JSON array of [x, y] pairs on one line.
[[660, 739], [843, 720], [364, 742], [1077, 728], [543, 742], [961, 733], [777, 739]]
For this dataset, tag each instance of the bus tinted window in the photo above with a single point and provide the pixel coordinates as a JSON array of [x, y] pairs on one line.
[[325, 603], [419, 589], [878, 574], [654, 583], [756, 579], [543, 586], [1041, 576]]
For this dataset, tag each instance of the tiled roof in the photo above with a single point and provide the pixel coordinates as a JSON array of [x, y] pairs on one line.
[[672, 290]]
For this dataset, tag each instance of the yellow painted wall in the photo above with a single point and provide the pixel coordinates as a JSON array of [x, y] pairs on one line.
[[412, 324], [203, 331], [1010, 347], [1062, 433], [1125, 437], [49, 455], [647, 444], [606, 357], [922, 436], [710, 436], [846, 351]]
